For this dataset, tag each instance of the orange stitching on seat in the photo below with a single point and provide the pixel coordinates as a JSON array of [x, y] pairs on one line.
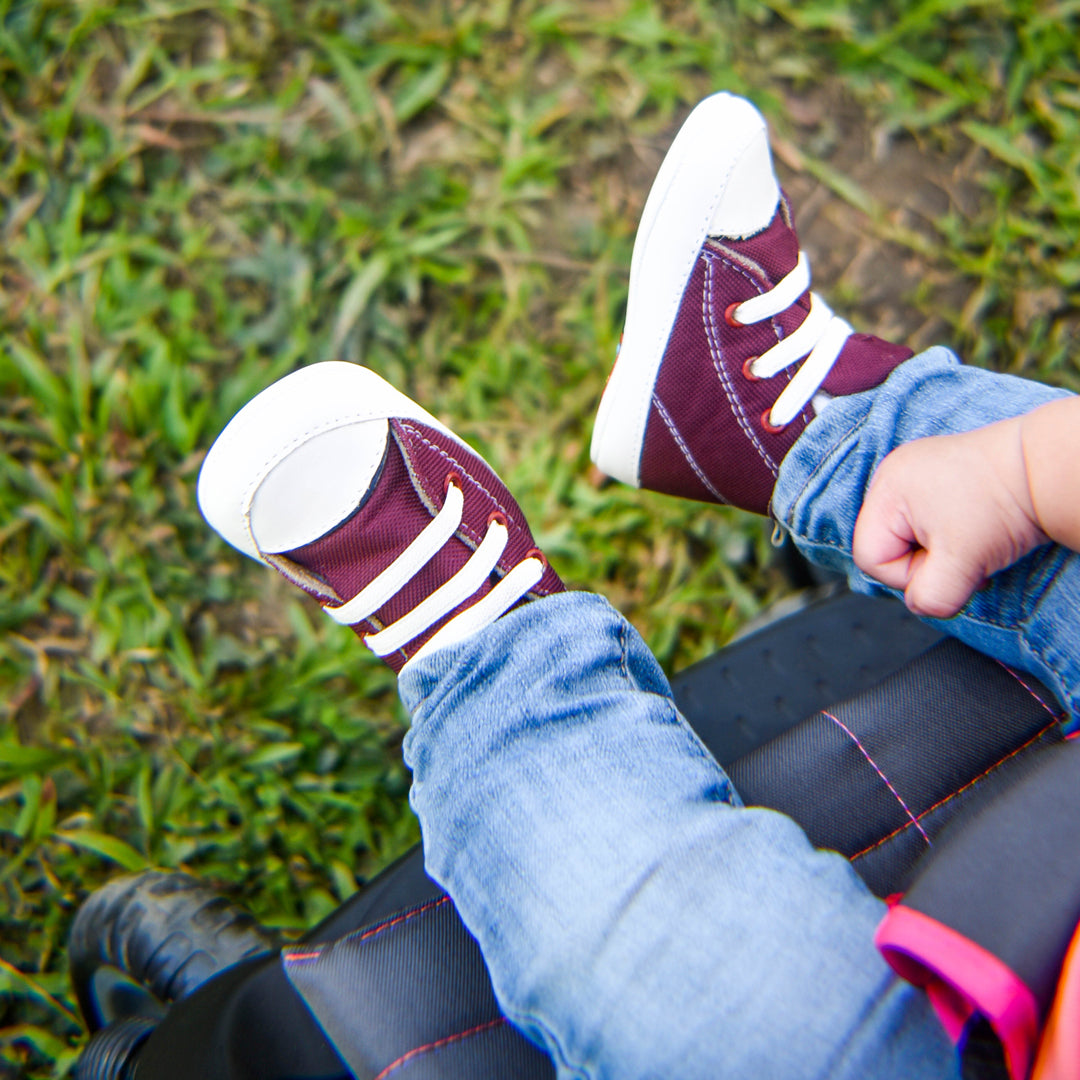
[[913, 820], [959, 791], [404, 918], [438, 1044], [423, 909]]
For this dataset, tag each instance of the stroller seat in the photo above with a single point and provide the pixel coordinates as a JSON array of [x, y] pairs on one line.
[[824, 715]]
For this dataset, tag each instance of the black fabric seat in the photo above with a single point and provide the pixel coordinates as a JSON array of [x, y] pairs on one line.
[[859, 722]]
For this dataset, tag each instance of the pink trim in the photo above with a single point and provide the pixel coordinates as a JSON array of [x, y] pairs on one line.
[[953, 1009], [960, 976]]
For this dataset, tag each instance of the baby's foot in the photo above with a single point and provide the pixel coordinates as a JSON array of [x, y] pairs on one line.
[[726, 356], [357, 495]]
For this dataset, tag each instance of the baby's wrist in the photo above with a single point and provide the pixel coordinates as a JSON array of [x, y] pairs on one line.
[[1050, 443]]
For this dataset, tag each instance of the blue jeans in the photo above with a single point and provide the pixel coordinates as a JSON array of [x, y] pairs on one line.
[[637, 920]]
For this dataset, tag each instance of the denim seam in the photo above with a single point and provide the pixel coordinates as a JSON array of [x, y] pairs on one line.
[[840, 441], [1053, 660], [675, 717], [1048, 652], [624, 646], [521, 1020], [704, 754]]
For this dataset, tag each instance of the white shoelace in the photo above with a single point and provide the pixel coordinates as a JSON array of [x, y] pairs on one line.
[[820, 338], [507, 592]]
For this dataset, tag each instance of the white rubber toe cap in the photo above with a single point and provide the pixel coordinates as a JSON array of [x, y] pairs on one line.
[[300, 456]]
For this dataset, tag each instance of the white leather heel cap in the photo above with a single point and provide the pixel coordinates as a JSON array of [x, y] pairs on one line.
[[751, 194]]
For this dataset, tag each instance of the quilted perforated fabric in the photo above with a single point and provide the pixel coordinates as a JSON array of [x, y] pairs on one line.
[[432, 1011], [878, 776]]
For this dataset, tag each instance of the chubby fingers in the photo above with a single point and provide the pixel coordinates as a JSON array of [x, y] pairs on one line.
[[902, 546], [938, 585], [885, 543]]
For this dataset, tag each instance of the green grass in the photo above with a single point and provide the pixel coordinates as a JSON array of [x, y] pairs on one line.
[[199, 198]]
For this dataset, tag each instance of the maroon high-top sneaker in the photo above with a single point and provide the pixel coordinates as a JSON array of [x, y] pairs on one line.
[[726, 355], [357, 495]]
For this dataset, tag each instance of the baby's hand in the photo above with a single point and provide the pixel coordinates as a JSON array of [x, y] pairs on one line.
[[942, 514]]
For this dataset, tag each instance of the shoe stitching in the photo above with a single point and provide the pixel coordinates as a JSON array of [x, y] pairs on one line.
[[464, 527], [736, 261], [913, 820], [733, 260], [741, 264], [959, 791], [300, 576], [692, 253], [716, 354], [690, 460]]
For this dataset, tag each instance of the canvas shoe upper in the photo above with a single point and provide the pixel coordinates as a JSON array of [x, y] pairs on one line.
[[368, 503], [726, 355]]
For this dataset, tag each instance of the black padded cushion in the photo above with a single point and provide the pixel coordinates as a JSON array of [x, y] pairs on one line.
[[876, 777], [1008, 877]]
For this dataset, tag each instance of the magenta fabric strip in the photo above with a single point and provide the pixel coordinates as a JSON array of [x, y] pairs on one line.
[[960, 978]]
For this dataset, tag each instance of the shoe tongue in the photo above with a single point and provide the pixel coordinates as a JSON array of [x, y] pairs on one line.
[[750, 192], [865, 362], [774, 250]]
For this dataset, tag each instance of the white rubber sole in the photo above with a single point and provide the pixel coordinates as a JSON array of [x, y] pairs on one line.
[[717, 178], [279, 423]]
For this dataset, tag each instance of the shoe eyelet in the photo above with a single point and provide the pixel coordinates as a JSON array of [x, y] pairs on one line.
[[536, 553], [729, 315], [451, 478], [748, 370], [769, 426], [496, 517]]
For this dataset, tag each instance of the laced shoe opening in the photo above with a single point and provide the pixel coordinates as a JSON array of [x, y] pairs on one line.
[[816, 343]]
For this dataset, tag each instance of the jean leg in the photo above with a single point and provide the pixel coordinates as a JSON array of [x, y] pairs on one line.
[[636, 920], [1028, 615]]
